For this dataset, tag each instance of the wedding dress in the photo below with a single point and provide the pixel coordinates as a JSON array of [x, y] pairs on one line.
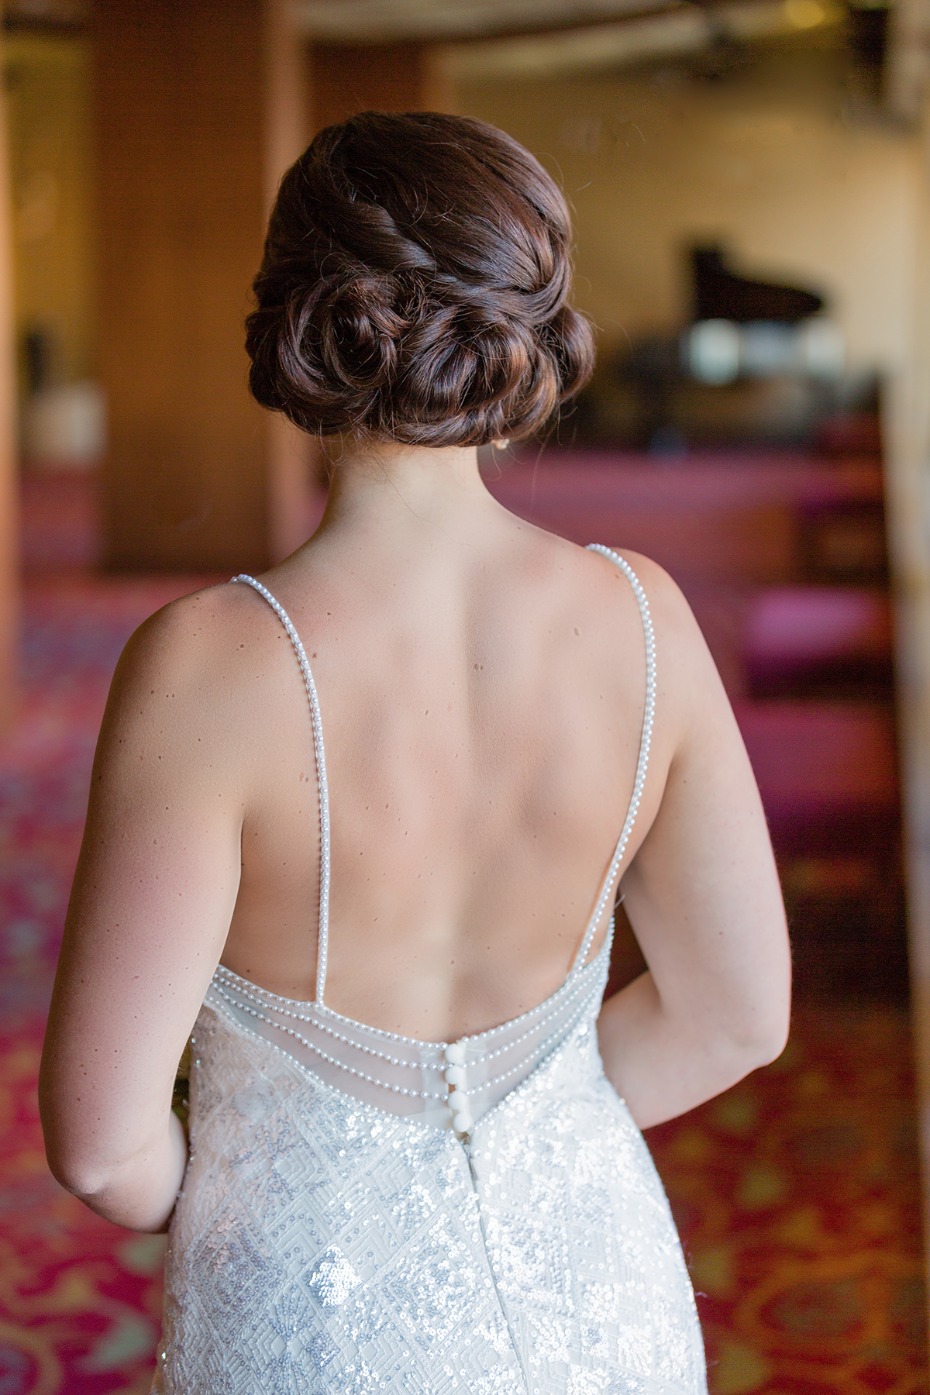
[[367, 1212]]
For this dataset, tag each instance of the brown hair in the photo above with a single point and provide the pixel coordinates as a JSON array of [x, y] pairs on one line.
[[414, 286]]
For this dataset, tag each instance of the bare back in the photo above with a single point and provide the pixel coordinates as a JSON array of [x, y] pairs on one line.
[[482, 724]]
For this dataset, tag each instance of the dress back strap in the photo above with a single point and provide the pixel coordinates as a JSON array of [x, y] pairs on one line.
[[320, 758], [645, 743]]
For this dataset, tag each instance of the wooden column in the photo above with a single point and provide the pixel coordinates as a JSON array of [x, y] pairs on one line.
[[908, 494], [199, 110], [9, 572], [346, 78]]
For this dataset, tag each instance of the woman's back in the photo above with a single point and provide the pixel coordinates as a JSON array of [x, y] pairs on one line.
[[482, 709]]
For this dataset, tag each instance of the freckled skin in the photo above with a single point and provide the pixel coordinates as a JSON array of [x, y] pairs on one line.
[[475, 844]]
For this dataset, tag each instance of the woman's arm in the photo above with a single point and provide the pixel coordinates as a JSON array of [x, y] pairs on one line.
[[153, 895], [703, 897]]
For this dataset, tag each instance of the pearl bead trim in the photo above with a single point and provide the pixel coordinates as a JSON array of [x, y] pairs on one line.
[[316, 722], [324, 1055], [314, 1020], [542, 1012], [454, 1052], [649, 710]]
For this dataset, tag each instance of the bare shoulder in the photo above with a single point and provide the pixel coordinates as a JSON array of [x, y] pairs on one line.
[[671, 614], [198, 640], [687, 676], [188, 679]]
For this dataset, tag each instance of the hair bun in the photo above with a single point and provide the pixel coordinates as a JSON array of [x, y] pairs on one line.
[[357, 329], [414, 286]]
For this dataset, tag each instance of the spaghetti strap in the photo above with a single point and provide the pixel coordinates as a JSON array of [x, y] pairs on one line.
[[320, 758], [645, 743]]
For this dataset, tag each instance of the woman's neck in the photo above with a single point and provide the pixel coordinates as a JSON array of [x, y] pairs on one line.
[[401, 485]]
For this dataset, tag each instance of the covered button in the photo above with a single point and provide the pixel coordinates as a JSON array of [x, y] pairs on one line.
[[461, 1118]]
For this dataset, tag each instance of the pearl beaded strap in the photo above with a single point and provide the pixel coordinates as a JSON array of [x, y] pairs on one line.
[[320, 757], [644, 744]]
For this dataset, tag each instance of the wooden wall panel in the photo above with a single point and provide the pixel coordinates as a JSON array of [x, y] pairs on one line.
[[9, 572], [346, 78], [198, 110]]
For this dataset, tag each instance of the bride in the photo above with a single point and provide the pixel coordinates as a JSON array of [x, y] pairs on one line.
[[356, 827]]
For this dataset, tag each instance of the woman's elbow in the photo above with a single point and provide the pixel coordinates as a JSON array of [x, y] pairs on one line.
[[762, 1035], [771, 1043], [754, 1012], [72, 1153], [730, 1049], [72, 1167], [74, 1180], [89, 1177]]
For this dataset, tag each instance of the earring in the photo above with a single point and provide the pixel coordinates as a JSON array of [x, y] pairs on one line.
[[501, 443]]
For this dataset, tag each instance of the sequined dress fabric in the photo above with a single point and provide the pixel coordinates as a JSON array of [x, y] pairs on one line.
[[365, 1212]]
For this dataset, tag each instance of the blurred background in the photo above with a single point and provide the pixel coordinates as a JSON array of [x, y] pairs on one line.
[[750, 181]]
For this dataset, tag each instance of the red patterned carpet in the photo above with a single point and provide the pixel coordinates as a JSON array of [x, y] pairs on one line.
[[796, 1192]]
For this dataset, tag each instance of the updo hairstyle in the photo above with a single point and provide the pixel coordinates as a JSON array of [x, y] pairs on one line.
[[414, 286]]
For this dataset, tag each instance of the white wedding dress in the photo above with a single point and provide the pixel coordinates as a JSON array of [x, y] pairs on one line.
[[366, 1212]]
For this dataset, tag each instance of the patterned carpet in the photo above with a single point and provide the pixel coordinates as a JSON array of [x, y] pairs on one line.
[[796, 1192]]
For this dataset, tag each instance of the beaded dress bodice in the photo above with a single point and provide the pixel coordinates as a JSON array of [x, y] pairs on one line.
[[369, 1212]]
